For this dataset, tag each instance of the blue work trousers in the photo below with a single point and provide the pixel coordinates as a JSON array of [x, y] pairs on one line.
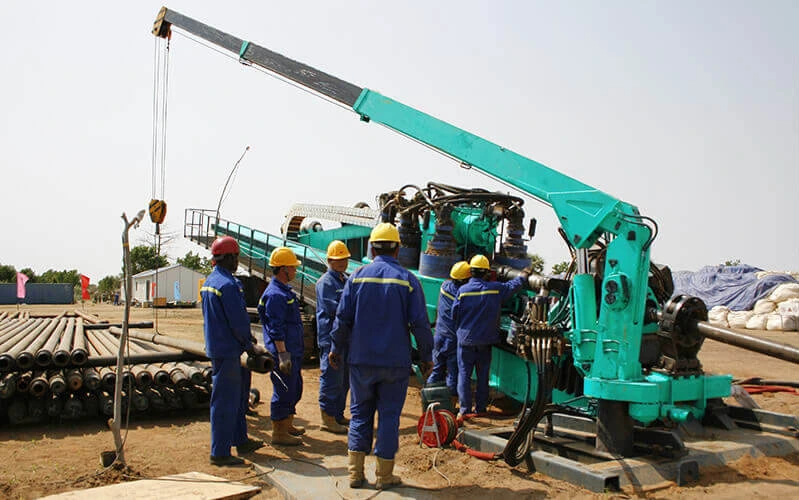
[[380, 389], [477, 357], [333, 385], [445, 362], [229, 399], [285, 398]]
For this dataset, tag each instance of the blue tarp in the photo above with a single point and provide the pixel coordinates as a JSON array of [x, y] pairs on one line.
[[736, 287]]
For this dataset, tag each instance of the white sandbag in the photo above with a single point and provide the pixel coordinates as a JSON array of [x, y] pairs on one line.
[[718, 316], [790, 306], [738, 319], [764, 306], [784, 292], [757, 322], [786, 323]]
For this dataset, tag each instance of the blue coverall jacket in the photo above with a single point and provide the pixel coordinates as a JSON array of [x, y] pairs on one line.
[[381, 305], [227, 335], [445, 345], [279, 309], [333, 383], [475, 311]]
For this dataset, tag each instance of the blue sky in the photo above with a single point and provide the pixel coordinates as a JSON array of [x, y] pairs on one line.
[[688, 110]]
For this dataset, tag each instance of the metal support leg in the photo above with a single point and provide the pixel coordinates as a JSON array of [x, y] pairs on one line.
[[614, 428]]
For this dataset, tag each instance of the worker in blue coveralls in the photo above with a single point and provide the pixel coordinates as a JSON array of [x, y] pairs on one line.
[[475, 313], [445, 347], [333, 383], [279, 309], [227, 335], [381, 306]]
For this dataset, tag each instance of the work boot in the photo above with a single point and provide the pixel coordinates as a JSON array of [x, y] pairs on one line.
[[356, 468], [227, 461], [280, 433], [385, 474], [329, 424], [249, 446], [342, 420], [294, 430]]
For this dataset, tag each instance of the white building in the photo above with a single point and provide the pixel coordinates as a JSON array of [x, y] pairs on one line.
[[175, 283]]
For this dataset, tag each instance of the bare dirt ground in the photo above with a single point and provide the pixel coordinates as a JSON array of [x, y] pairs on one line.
[[52, 458]]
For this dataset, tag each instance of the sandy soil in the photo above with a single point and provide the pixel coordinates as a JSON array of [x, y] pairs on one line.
[[47, 459]]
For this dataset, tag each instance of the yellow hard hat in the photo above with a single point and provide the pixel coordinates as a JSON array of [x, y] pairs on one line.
[[479, 262], [283, 256], [337, 250], [385, 231], [460, 271]]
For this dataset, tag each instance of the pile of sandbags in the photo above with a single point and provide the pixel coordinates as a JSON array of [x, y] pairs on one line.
[[778, 311]]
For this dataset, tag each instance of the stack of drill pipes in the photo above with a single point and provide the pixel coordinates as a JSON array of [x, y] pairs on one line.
[[61, 356], [112, 348], [54, 327], [176, 373], [23, 358], [10, 340], [89, 319], [44, 356], [107, 375], [79, 354], [142, 375]]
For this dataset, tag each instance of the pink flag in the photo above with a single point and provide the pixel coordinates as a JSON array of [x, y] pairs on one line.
[[21, 280]]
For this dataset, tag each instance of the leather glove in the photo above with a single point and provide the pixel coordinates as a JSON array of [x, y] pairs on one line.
[[334, 359], [526, 272], [284, 359]]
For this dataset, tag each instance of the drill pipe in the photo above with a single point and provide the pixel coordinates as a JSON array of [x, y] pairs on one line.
[[61, 356], [56, 381], [54, 405], [91, 378], [44, 355], [3, 316], [74, 379], [17, 411], [261, 364], [39, 385], [24, 381], [106, 326], [773, 349], [36, 409], [107, 376], [91, 404], [73, 407], [43, 358], [109, 347], [79, 353], [87, 318]]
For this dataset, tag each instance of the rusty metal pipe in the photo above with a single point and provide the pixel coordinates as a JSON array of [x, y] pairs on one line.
[[8, 385], [762, 346], [39, 384], [21, 341], [74, 379], [57, 382], [106, 326], [73, 407], [62, 355], [24, 381], [91, 379], [79, 352]]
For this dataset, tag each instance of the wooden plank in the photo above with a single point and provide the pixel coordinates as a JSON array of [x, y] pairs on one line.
[[189, 485]]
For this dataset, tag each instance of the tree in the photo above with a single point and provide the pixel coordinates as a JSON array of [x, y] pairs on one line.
[[109, 284], [8, 274], [736, 262], [66, 276], [536, 262], [196, 262], [143, 258], [560, 267], [32, 278]]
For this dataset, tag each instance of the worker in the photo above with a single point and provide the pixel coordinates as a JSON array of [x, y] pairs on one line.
[[226, 326], [333, 384], [445, 347], [475, 314], [279, 310], [381, 306]]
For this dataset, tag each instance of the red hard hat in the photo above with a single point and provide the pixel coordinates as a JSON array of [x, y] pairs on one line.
[[224, 245]]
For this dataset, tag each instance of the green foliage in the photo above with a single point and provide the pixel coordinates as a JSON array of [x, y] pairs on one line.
[[560, 267], [109, 284], [143, 258], [536, 262], [736, 262], [32, 278], [194, 261], [66, 276], [8, 274]]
